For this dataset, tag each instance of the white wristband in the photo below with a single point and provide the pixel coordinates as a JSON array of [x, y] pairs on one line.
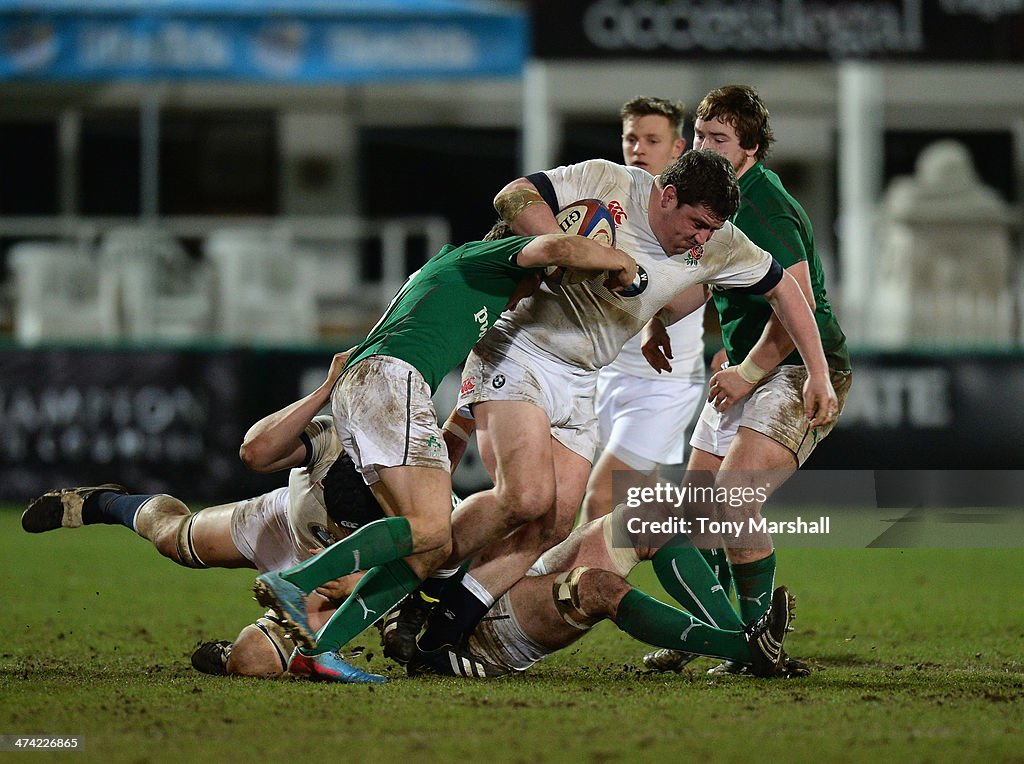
[[750, 372]]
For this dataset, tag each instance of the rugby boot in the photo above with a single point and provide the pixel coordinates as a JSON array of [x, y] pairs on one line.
[[402, 626], [289, 602], [794, 667], [330, 667], [61, 507], [730, 668], [665, 660], [791, 668], [766, 635], [453, 661]]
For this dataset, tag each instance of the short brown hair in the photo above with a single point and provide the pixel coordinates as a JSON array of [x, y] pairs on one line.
[[643, 106], [740, 107], [704, 178]]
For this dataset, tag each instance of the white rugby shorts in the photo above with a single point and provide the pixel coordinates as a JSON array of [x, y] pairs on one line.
[[564, 393], [385, 418], [774, 408], [500, 639], [259, 529], [646, 418]]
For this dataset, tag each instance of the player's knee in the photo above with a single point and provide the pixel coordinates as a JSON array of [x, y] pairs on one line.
[[427, 562], [581, 595], [431, 533], [549, 535], [261, 650], [598, 592], [161, 520], [526, 503]]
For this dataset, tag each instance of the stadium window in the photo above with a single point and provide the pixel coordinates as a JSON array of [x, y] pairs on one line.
[[219, 163], [211, 163], [108, 164], [28, 168]]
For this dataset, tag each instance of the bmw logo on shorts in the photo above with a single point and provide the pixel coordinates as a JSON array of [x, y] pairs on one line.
[[638, 286], [499, 382]]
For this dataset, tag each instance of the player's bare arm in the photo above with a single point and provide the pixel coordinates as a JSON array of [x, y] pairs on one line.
[[790, 305], [656, 345], [731, 384], [775, 343], [275, 442], [521, 206], [579, 254]]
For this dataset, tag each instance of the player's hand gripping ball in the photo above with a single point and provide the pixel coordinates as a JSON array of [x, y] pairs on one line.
[[587, 217]]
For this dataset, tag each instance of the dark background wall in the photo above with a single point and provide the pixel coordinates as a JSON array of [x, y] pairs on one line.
[[172, 421]]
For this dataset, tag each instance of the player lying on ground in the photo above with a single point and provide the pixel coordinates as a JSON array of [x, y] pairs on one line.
[[581, 582], [586, 572], [324, 501], [264, 532]]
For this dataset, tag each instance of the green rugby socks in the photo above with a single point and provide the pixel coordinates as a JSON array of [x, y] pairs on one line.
[[378, 591], [685, 575], [754, 584], [719, 564], [645, 618], [372, 545]]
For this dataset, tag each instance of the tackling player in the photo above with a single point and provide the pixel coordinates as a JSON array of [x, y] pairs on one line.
[[386, 421]]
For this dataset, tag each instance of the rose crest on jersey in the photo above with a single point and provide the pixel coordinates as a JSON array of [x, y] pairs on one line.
[[694, 255]]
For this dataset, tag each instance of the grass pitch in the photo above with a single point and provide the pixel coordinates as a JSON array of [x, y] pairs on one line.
[[917, 654]]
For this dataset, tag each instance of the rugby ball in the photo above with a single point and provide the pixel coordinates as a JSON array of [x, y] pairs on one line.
[[587, 217]]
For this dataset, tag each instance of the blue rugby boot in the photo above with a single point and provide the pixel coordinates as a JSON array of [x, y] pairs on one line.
[[330, 667], [289, 602]]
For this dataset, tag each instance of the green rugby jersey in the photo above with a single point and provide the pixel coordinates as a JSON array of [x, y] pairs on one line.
[[775, 221], [446, 306]]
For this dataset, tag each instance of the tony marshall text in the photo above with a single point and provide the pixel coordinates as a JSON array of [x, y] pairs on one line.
[[728, 528]]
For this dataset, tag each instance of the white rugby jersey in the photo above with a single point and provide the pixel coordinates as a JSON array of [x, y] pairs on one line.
[[687, 335], [585, 325], [308, 521]]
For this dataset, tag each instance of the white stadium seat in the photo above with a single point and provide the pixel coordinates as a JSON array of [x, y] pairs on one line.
[[266, 288], [60, 293], [163, 293]]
